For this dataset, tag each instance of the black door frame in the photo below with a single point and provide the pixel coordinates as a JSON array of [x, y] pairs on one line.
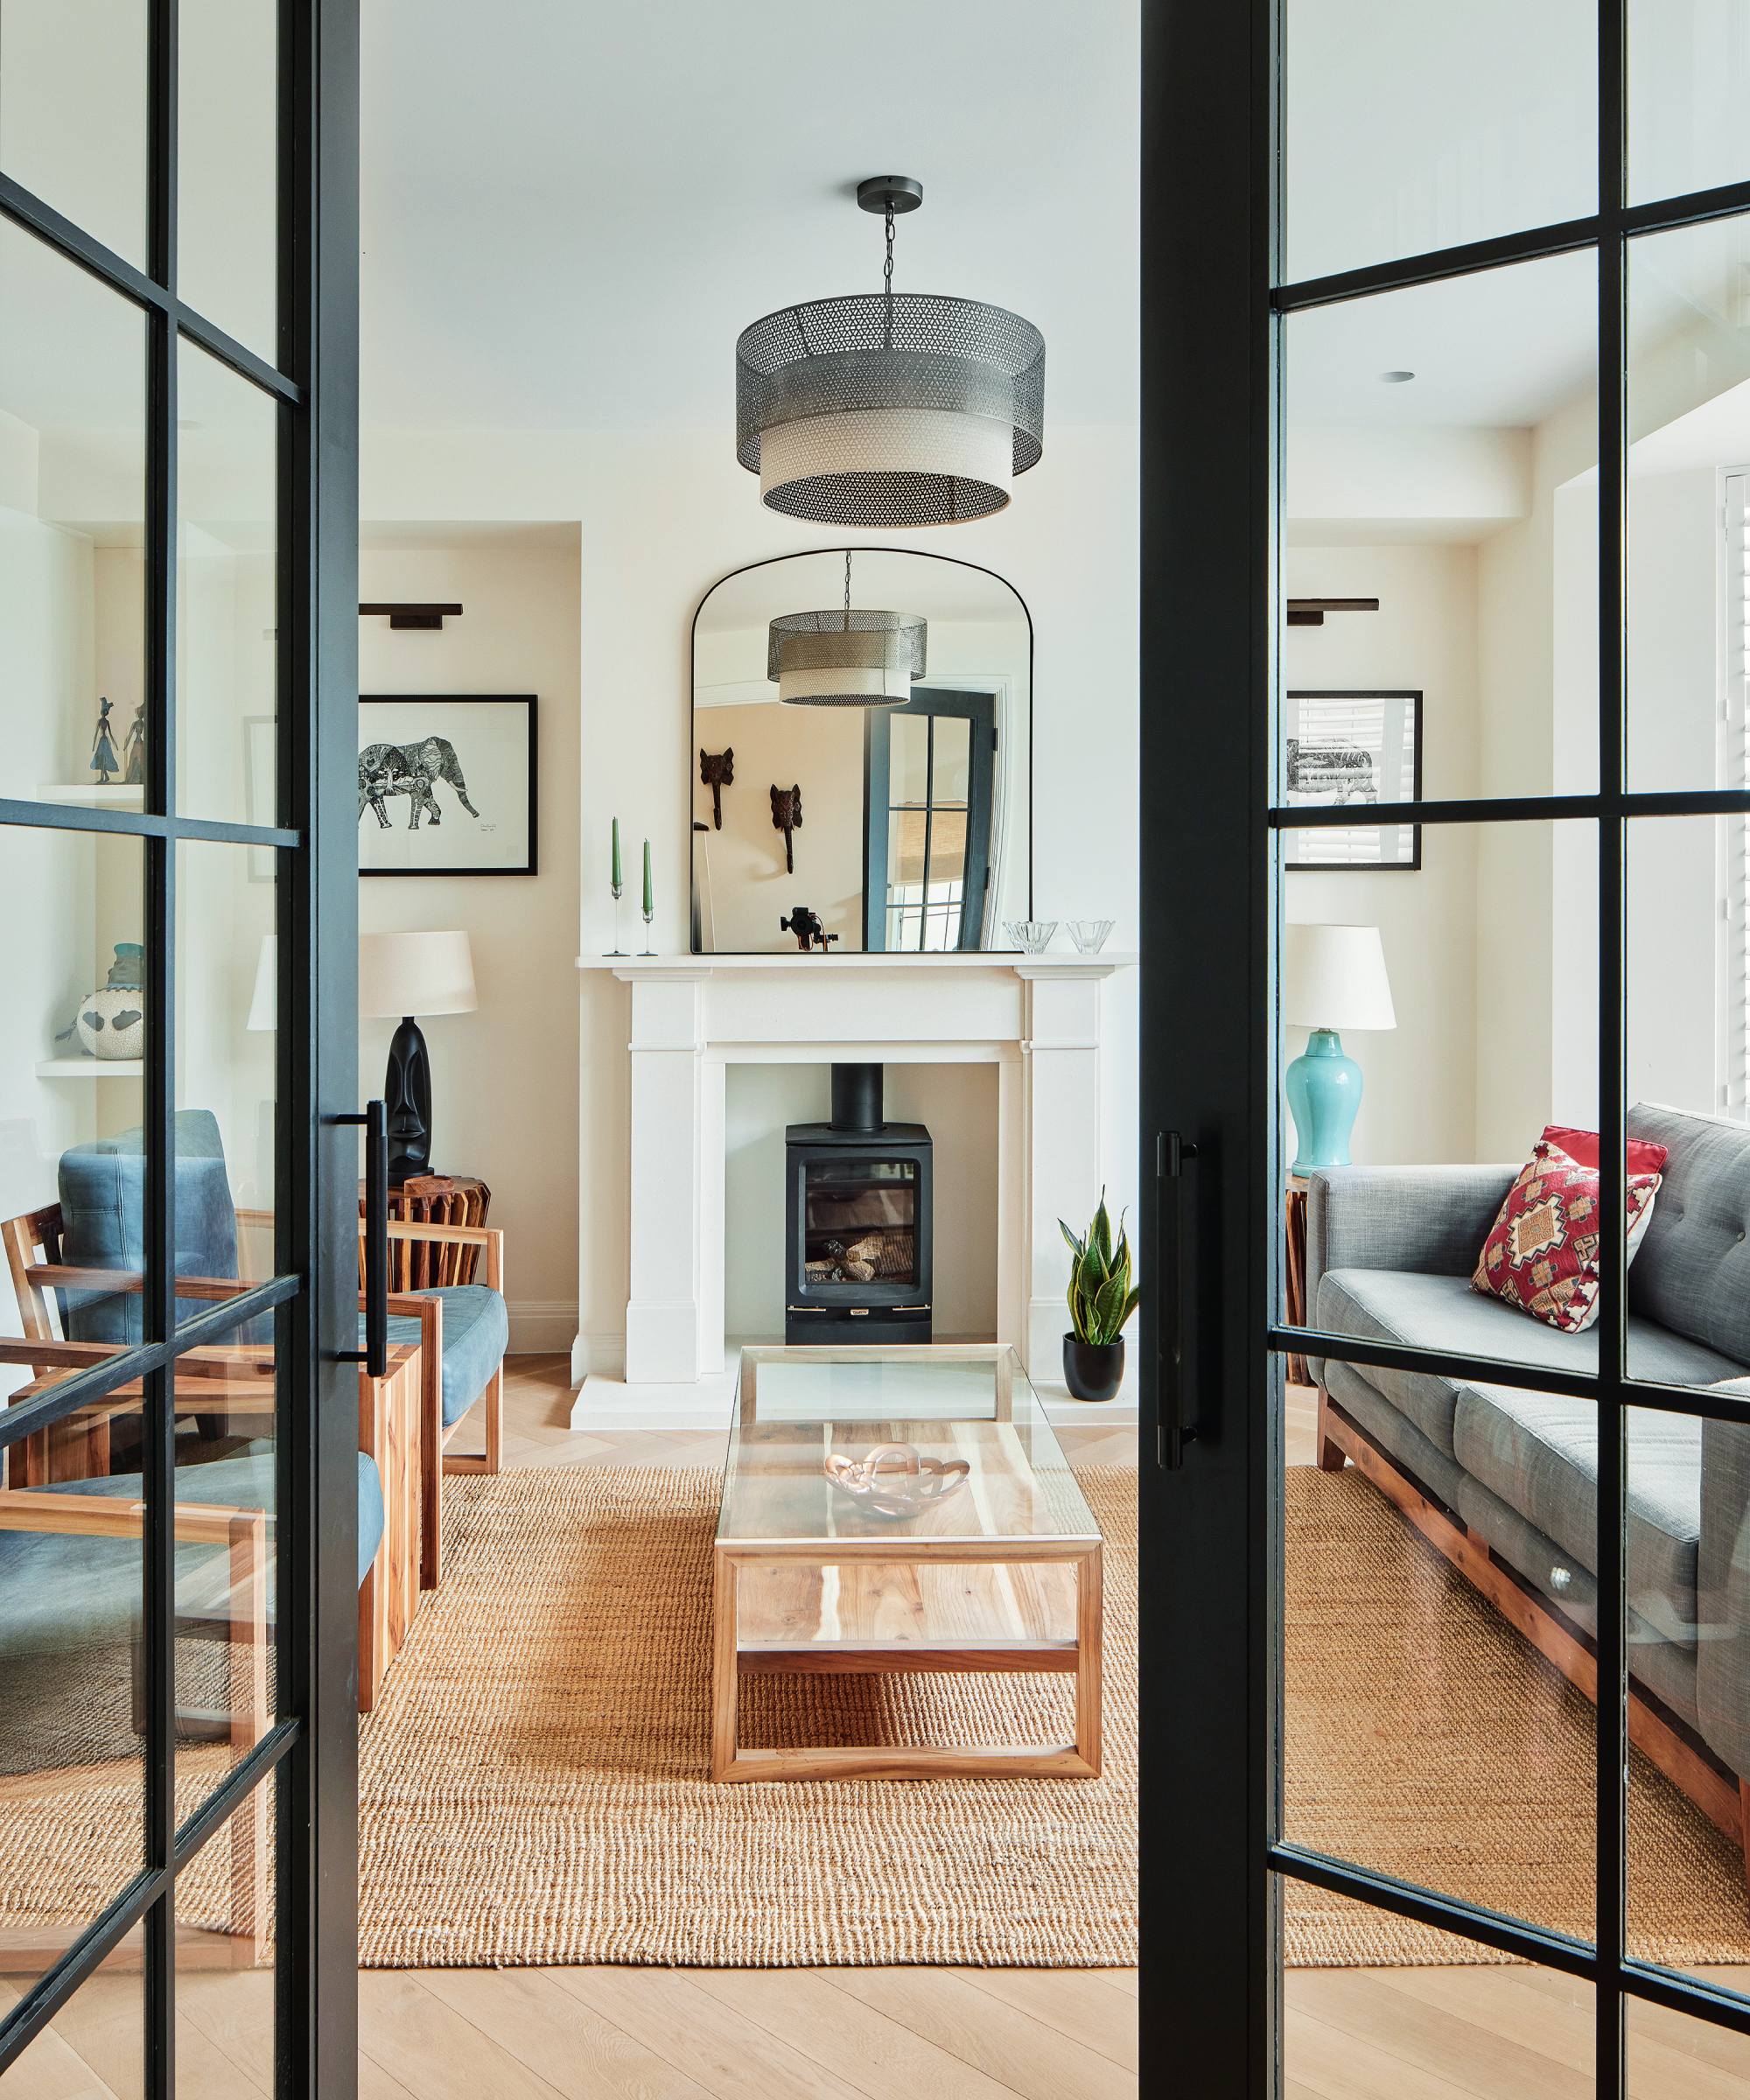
[[309, 1753], [1214, 305]]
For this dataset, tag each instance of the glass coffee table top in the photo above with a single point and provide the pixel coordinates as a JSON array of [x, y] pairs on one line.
[[952, 1405]]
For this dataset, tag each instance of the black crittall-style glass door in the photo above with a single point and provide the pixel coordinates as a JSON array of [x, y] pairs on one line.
[[180, 1508], [1446, 399]]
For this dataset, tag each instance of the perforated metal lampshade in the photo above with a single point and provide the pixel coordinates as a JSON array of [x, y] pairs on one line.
[[889, 409], [855, 658]]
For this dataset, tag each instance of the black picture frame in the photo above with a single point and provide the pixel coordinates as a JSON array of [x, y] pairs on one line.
[[1412, 863], [521, 714]]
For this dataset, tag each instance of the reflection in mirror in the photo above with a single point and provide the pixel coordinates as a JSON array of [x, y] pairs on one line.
[[913, 831]]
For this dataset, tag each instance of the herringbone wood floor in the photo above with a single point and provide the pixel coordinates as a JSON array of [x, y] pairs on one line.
[[863, 2035]]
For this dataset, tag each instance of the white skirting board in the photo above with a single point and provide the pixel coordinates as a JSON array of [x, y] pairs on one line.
[[604, 1401], [541, 1326]]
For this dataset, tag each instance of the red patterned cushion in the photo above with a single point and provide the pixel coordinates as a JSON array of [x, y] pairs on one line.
[[1541, 1256], [1644, 1156]]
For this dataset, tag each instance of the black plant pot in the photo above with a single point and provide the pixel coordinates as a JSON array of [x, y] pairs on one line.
[[1092, 1370]]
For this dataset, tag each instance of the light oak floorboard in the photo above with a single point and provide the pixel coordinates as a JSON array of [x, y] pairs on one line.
[[558, 2036], [1031, 2058], [433, 2050], [1076, 2002], [852, 2041], [731, 2056]]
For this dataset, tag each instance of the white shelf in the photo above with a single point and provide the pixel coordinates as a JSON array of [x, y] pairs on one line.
[[93, 797], [1052, 961], [91, 1068]]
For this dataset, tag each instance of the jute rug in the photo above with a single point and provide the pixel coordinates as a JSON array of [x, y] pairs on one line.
[[1426, 1738], [532, 1783]]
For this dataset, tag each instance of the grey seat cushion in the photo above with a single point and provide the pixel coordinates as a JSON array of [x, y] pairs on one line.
[[1538, 1453], [1444, 1312], [65, 1591], [476, 1334]]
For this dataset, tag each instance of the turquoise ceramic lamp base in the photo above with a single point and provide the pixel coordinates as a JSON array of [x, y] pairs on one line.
[[1324, 1088]]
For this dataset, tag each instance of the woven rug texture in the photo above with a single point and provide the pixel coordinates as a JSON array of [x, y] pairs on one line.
[[1426, 1738], [533, 1785]]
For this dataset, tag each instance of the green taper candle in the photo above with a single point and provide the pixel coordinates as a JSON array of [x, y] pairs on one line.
[[616, 854], [649, 897]]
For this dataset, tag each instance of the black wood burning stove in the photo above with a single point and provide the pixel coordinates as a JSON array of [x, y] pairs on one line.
[[857, 1220]]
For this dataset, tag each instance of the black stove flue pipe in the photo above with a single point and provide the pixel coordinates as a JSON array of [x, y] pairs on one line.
[[857, 1097]]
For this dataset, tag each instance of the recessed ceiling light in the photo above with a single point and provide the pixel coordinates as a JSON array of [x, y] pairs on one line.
[[1396, 379]]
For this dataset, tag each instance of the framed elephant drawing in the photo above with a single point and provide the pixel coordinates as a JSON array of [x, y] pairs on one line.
[[447, 784]]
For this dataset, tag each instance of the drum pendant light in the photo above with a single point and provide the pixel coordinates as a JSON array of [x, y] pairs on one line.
[[889, 409], [845, 658]]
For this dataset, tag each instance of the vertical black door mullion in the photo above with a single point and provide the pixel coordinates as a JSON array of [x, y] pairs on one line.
[[1611, 1773], [159, 1105], [316, 2024]]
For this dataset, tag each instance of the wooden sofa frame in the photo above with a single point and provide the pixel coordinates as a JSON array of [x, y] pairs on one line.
[[1662, 1736]]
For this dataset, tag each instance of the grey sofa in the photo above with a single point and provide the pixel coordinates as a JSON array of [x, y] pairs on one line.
[[1504, 1480]]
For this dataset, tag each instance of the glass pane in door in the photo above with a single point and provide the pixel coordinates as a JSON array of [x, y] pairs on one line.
[[228, 190], [73, 114], [1689, 74], [72, 1720], [223, 1905], [1424, 1736], [227, 497], [1383, 2006], [1440, 562], [1675, 2056], [95, 2044], [1688, 585], [1688, 1491], [1410, 128], [72, 634]]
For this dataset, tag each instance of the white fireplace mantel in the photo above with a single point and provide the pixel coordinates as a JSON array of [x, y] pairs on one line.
[[1036, 1018]]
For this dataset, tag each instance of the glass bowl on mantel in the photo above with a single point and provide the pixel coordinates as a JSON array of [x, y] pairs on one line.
[[1032, 936], [1090, 934]]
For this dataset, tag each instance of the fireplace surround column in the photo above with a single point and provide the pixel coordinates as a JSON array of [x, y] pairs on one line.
[[664, 1332]]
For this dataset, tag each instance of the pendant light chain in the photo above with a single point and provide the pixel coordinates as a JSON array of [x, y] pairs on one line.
[[847, 590], [888, 276]]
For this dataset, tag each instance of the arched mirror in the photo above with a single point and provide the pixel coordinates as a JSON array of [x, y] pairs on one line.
[[861, 761]]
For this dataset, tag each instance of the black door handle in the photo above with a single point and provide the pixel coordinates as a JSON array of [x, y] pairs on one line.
[[1172, 1431], [374, 1355]]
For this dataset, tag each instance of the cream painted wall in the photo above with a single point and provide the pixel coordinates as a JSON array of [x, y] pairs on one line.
[[1420, 1079], [662, 515], [505, 1078]]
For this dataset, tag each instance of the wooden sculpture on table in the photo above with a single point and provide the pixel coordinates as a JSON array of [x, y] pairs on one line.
[[787, 816], [716, 770]]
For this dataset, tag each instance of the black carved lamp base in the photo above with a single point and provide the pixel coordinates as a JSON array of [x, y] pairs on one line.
[[406, 1093]]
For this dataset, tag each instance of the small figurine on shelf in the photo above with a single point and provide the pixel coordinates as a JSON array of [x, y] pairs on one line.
[[104, 763], [133, 749]]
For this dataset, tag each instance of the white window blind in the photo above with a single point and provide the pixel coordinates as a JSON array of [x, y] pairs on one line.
[[1735, 843]]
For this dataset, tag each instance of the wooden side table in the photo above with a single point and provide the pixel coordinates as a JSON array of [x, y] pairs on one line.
[[1296, 1308], [434, 1199]]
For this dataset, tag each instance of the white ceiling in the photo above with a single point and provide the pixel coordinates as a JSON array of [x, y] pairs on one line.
[[570, 211]]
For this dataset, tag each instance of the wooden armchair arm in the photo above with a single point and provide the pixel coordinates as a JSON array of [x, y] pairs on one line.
[[109, 1516]]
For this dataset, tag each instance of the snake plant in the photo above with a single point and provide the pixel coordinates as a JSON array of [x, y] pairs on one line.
[[1100, 1295]]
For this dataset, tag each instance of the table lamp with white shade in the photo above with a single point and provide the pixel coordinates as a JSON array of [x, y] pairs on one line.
[[1333, 978], [400, 974], [408, 973]]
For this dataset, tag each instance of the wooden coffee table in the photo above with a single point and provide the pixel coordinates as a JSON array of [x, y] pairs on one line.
[[1002, 1574]]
